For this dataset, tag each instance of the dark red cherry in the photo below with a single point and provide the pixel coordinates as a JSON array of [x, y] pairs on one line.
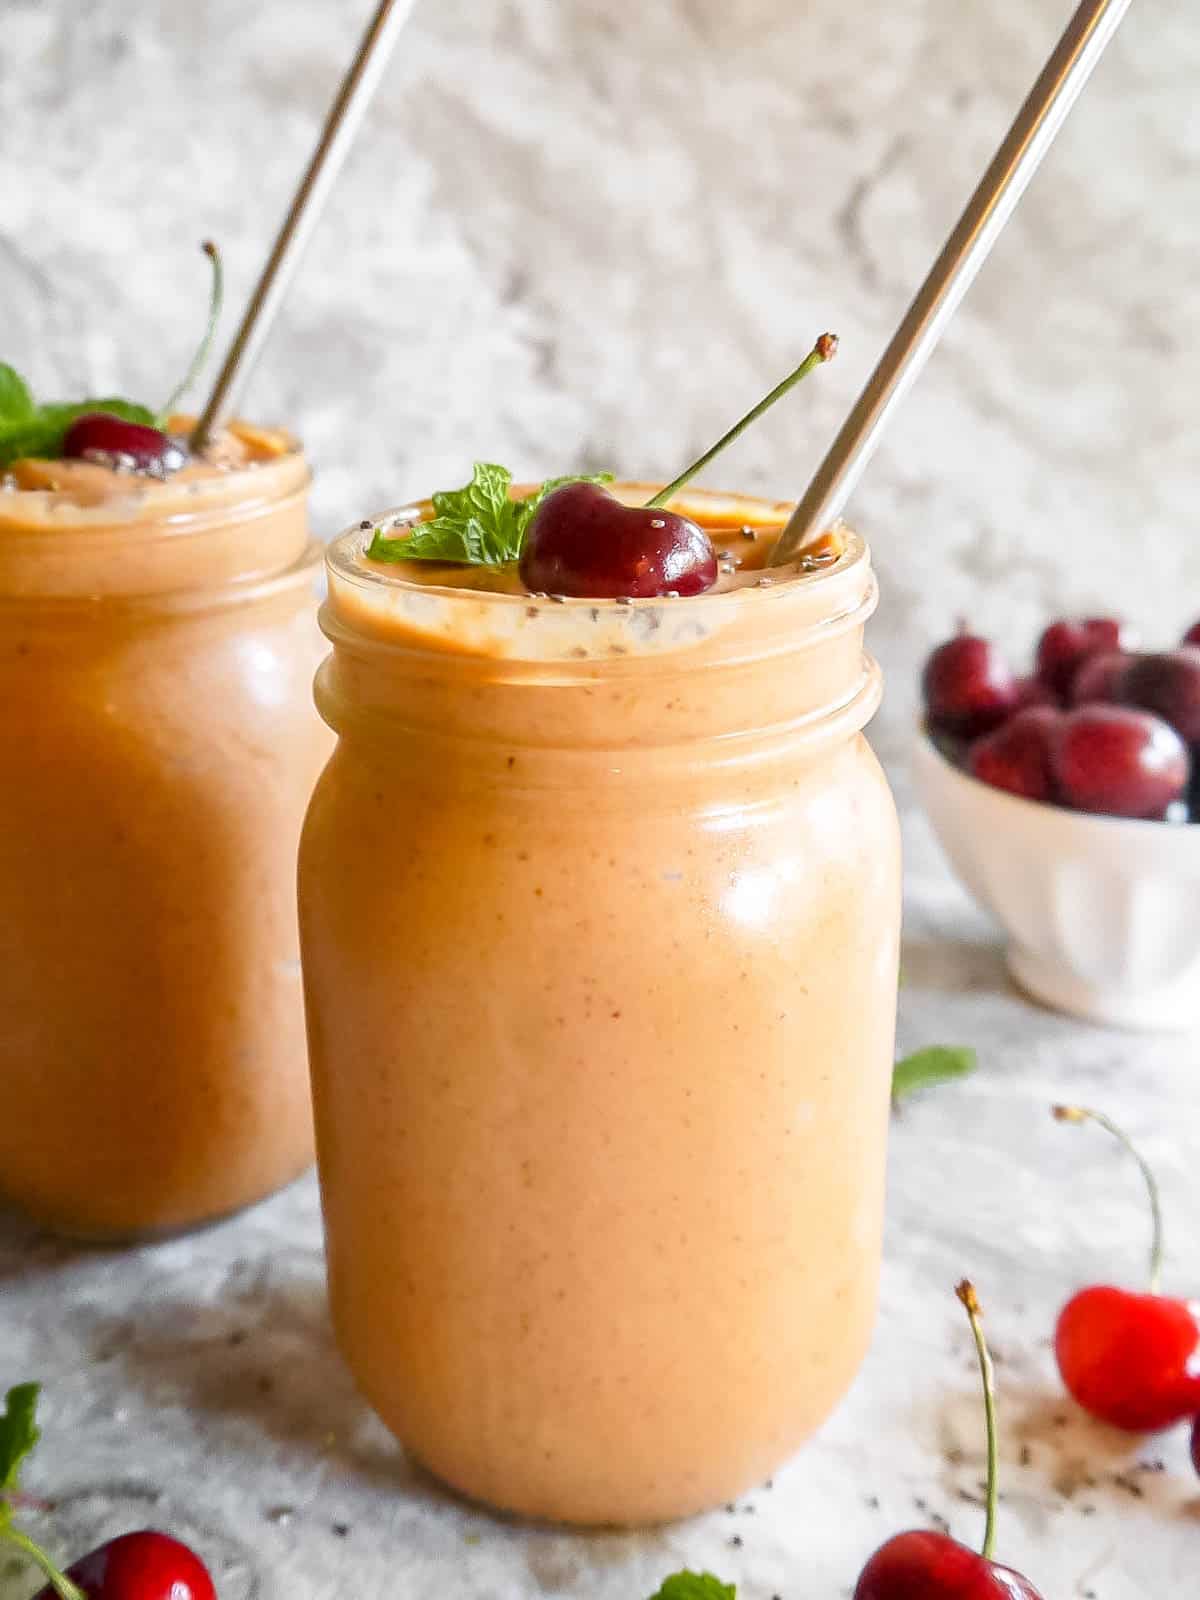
[[583, 542], [932, 1566], [1120, 762], [1169, 685], [100, 434], [140, 1566], [1016, 756], [1065, 644], [1101, 678], [968, 687], [1031, 691], [1129, 1359]]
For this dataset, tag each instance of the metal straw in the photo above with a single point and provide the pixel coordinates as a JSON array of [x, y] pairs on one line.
[[341, 126], [952, 274]]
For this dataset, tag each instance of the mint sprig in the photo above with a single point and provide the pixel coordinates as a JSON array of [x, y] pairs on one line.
[[27, 429], [19, 1434], [477, 525], [687, 1585], [937, 1063]]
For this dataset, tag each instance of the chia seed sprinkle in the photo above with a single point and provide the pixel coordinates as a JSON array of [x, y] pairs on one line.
[[365, 524]]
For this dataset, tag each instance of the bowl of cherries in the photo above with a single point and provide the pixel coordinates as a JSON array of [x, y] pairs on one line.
[[1068, 801]]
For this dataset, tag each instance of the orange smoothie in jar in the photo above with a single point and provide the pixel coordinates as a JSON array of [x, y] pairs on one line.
[[599, 909], [157, 644]]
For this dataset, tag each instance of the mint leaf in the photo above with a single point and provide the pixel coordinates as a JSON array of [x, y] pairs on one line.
[[477, 525], [695, 1586], [938, 1063], [18, 1433], [41, 432], [16, 402]]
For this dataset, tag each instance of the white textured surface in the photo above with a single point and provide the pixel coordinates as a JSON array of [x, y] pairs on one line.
[[578, 235]]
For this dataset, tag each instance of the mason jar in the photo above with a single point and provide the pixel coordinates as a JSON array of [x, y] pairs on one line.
[[599, 912], [157, 645]]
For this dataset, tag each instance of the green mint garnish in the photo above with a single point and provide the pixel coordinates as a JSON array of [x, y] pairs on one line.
[[695, 1586], [27, 429], [938, 1063], [478, 525], [19, 1433]]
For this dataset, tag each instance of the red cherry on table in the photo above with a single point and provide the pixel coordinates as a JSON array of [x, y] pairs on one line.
[[1128, 1358], [1169, 685], [922, 1565], [932, 1566], [1016, 756], [1101, 678], [968, 687], [1066, 644], [1118, 762], [99, 433], [581, 541], [1125, 1357], [140, 1566]]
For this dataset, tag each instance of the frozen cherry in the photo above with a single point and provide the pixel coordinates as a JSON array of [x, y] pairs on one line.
[[1101, 678], [1129, 1358], [98, 435], [139, 1566], [1119, 762], [922, 1565], [1016, 756], [583, 542], [1169, 685], [968, 687], [1065, 645]]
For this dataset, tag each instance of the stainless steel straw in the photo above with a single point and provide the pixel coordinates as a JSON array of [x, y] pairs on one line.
[[341, 125], [952, 274]]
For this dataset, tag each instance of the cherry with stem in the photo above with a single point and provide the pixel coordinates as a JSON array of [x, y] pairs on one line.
[[581, 541], [102, 437], [925, 1565], [1128, 1358]]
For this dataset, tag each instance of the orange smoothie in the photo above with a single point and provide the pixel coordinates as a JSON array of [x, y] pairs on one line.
[[157, 643], [599, 910]]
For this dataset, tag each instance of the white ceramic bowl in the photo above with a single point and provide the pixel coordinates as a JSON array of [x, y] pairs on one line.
[[1102, 913]]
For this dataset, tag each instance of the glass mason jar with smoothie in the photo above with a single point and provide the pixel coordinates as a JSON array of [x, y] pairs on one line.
[[599, 901], [157, 643]]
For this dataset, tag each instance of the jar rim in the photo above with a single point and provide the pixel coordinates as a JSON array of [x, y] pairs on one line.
[[393, 611]]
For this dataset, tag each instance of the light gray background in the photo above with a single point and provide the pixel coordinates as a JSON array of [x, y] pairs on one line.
[[586, 234]]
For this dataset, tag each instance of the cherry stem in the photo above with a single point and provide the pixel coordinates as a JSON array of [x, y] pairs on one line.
[[966, 1293], [215, 301], [59, 1581], [1079, 1114], [824, 350]]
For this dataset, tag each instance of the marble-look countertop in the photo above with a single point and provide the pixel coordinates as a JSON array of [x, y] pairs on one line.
[[195, 1385]]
